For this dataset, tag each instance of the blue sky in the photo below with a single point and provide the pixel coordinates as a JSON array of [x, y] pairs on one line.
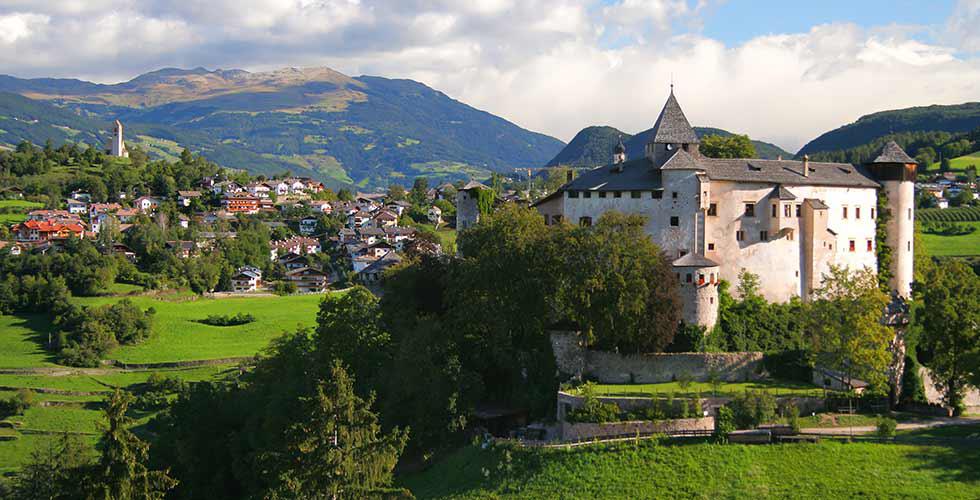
[[737, 21], [781, 71]]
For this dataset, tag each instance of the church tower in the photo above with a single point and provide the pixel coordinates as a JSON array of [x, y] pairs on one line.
[[671, 132], [118, 147], [895, 170]]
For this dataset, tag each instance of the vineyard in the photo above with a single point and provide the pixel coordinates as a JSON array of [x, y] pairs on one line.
[[962, 214]]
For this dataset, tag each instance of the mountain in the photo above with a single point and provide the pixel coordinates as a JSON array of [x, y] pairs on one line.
[[868, 128], [594, 146], [365, 131]]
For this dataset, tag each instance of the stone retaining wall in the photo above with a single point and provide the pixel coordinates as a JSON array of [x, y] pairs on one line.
[[178, 364], [583, 431], [971, 399], [568, 402], [612, 368]]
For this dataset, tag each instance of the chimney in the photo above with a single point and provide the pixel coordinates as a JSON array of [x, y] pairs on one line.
[[806, 165], [569, 175]]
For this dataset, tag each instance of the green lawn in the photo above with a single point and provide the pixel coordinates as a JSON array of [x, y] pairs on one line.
[[14, 211], [446, 234], [22, 339], [940, 246], [105, 383], [946, 431], [178, 336], [58, 419], [705, 470], [24, 205], [960, 162], [705, 389], [16, 453]]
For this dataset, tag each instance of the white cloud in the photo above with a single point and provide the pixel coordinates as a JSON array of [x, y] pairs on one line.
[[548, 65]]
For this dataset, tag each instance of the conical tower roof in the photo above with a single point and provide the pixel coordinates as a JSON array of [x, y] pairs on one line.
[[893, 153], [672, 126]]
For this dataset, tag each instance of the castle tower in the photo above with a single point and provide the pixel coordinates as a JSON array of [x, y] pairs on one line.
[[699, 278], [619, 153], [117, 147], [671, 132], [895, 170], [467, 205]]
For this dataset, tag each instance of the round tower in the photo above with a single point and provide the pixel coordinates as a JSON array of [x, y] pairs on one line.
[[895, 170], [699, 278]]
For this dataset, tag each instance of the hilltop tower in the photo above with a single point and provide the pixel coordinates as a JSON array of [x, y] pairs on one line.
[[895, 170], [117, 147], [671, 132], [467, 205]]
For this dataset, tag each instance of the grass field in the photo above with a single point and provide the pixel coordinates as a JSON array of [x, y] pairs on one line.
[[942, 246], [22, 341], [14, 211], [446, 234], [704, 389], [178, 336], [961, 162], [14, 454], [706, 470]]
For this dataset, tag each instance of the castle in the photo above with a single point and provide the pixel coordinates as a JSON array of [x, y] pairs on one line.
[[785, 221]]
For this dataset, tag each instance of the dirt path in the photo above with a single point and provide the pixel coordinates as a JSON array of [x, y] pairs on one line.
[[904, 426]]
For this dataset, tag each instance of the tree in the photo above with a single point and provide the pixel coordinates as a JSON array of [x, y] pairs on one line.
[[57, 471], [121, 472], [733, 146], [419, 194], [338, 450], [348, 330], [844, 322], [345, 195], [949, 343], [396, 192], [944, 165]]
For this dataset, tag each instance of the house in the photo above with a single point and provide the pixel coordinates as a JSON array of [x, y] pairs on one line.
[[94, 209], [183, 249], [126, 215], [292, 261], [308, 280], [320, 206], [76, 207], [359, 218], [296, 186], [307, 226], [942, 203], [125, 251], [183, 220], [398, 207], [384, 218], [146, 203], [836, 381], [241, 203], [33, 230], [313, 186], [184, 198], [11, 248], [246, 279], [435, 215], [299, 245], [370, 235], [227, 187], [374, 272], [398, 236], [258, 189]]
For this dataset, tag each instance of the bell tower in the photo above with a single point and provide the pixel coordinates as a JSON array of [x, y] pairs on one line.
[[671, 132], [895, 170]]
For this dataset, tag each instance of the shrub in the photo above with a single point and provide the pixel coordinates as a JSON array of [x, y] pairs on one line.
[[593, 411], [793, 417], [725, 422], [228, 319], [156, 390], [886, 427], [17, 404], [753, 408], [284, 288]]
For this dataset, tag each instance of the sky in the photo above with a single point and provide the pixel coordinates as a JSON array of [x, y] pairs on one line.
[[780, 71]]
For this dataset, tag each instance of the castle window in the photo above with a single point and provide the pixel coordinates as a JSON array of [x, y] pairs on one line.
[[658, 195], [739, 235], [547, 220], [787, 210], [713, 209], [675, 221], [585, 221], [688, 278], [910, 214], [573, 194], [685, 146], [700, 279], [870, 244], [711, 246], [872, 213], [712, 278], [857, 212], [799, 210], [750, 209], [673, 194], [775, 209], [586, 194], [763, 235], [711, 300], [845, 212], [617, 194], [636, 194], [602, 194], [909, 245], [851, 245]]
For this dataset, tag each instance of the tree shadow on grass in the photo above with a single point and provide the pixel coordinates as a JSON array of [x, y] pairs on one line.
[[42, 332], [955, 462]]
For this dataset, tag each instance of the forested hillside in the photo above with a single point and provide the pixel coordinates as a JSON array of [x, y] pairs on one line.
[[870, 128], [367, 131]]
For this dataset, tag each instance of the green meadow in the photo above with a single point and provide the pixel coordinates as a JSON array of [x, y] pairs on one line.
[[960, 162], [946, 246], [14, 211], [701, 469]]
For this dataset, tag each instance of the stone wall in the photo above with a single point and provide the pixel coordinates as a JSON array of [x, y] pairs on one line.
[[613, 368], [971, 399], [579, 432], [568, 402]]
